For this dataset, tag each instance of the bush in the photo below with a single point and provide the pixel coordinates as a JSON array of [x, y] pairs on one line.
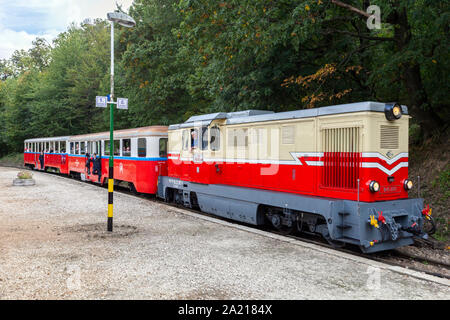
[[24, 175]]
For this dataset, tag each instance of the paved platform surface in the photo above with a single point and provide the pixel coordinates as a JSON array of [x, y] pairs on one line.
[[53, 245]]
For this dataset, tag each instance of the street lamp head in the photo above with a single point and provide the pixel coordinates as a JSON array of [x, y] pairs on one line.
[[122, 19]]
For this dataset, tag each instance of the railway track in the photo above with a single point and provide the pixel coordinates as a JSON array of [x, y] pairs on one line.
[[392, 257]]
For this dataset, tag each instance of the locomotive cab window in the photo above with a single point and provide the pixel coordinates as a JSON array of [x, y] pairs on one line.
[[185, 139], [142, 147], [126, 147], [163, 147], [205, 138], [194, 138], [214, 140]]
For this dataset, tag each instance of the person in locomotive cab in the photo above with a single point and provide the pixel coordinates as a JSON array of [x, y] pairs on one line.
[[97, 168], [194, 139], [41, 160], [88, 163]]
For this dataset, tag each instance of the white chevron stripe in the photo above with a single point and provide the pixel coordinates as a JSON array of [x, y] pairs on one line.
[[380, 156], [387, 171]]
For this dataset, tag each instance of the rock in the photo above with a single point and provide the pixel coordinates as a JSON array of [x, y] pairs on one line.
[[24, 182]]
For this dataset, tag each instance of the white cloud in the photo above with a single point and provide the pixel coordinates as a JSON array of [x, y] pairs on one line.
[[21, 21]]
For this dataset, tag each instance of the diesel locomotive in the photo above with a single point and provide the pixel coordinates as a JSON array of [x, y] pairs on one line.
[[339, 171]]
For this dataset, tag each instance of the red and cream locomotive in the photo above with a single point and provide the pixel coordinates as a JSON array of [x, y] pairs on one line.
[[338, 171]]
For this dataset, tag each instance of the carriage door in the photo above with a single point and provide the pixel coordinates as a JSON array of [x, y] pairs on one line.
[[186, 155], [162, 164]]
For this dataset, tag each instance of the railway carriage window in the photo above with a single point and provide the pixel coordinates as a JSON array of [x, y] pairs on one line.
[[72, 148], [204, 138], [163, 147], [116, 147], [214, 141], [126, 147], [142, 147], [83, 147], [106, 148], [185, 139]]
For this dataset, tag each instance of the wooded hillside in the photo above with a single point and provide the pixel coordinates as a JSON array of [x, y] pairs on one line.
[[188, 57]]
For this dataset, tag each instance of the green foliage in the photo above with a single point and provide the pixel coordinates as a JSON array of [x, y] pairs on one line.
[[13, 160], [24, 175], [187, 57], [443, 182]]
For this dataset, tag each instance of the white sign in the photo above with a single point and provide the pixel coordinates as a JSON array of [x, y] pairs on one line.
[[122, 103], [100, 102]]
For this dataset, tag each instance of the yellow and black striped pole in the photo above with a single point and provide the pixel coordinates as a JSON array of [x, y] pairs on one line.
[[111, 170], [111, 139], [110, 198]]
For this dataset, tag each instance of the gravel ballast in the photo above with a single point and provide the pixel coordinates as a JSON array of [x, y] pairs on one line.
[[54, 245]]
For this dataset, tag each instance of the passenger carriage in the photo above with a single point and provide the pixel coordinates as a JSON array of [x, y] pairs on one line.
[[140, 156], [55, 153], [332, 170]]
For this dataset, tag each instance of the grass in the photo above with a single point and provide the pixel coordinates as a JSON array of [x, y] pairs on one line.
[[14, 159]]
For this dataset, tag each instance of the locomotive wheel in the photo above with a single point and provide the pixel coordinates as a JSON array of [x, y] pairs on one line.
[[132, 188], [276, 221]]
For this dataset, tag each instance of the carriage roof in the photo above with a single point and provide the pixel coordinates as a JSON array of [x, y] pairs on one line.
[[249, 116], [125, 133], [50, 139]]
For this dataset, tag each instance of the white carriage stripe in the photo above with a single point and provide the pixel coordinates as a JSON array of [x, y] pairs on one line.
[[296, 160]]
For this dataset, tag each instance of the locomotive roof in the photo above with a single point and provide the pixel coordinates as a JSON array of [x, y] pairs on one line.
[[64, 138], [260, 115], [125, 133]]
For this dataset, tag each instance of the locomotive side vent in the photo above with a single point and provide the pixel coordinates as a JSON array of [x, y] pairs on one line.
[[342, 157], [389, 137]]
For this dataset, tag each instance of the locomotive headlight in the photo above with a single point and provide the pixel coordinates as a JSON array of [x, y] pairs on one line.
[[408, 184], [374, 186], [393, 111]]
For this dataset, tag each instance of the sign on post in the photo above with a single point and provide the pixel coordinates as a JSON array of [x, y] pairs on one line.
[[122, 103], [100, 102]]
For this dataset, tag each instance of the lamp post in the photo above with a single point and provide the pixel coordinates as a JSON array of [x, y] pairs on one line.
[[126, 21]]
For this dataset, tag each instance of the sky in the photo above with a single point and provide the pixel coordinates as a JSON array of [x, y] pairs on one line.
[[21, 21]]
